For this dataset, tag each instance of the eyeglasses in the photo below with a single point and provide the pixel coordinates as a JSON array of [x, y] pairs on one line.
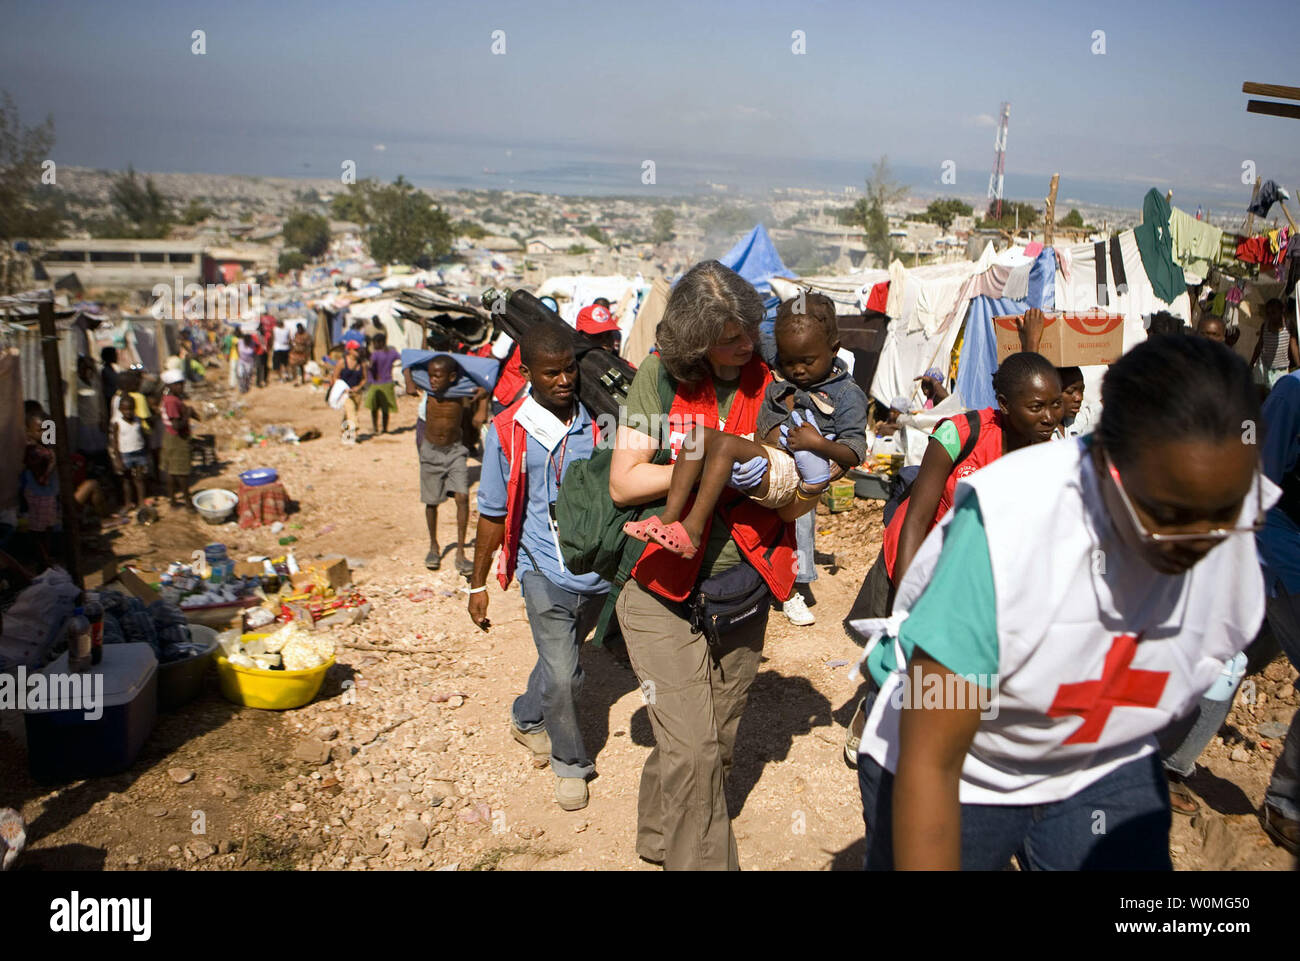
[[1215, 534]]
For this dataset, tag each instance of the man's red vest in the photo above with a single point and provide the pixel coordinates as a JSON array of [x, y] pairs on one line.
[[511, 380], [514, 444], [765, 540]]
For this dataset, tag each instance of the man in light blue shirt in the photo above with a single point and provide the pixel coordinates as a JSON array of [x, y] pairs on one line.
[[516, 503]]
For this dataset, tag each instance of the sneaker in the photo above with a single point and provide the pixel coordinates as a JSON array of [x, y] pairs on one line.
[[853, 735], [539, 742], [796, 611], [571, 793]]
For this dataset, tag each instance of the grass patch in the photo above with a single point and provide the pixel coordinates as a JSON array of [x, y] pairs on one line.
[[491, 860], [275, 854]]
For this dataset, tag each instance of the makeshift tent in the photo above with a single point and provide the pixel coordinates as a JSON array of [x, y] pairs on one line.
[[13, 432], [756, 259], [847, 291], [927, 306], [641, 338], [979, 356], [573, 292]]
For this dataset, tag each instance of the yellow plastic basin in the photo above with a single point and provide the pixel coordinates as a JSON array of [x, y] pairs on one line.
[[269, 690]]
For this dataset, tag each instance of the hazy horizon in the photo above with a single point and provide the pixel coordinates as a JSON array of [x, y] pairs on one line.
[[581, 97]]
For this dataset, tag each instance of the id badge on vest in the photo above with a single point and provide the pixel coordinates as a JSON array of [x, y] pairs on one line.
[[549, 431]]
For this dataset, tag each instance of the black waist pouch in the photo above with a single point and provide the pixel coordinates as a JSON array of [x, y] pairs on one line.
[[726, 601]]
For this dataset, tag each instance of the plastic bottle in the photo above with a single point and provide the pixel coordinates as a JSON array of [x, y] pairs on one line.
[[95, 615], [78, 634]]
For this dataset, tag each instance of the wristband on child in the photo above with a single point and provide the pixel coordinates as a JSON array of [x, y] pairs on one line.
[[803, 495]]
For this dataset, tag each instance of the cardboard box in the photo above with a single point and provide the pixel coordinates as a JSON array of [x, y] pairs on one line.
[[137, 585], [335, 570], [1069, 339], [248, 569], [98, 578]]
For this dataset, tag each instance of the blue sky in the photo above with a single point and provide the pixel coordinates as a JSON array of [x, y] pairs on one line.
[[298, 87]]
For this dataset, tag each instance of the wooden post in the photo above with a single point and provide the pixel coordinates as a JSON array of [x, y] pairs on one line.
[[1049, 211], [62, 441]]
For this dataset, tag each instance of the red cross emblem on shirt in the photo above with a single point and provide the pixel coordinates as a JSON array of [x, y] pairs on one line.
[[1118, 687]]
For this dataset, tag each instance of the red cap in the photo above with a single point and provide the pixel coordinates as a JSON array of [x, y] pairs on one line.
[[351, 345], [595, 319]]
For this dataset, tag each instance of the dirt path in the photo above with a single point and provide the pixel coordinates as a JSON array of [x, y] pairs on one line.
[[405, 759]]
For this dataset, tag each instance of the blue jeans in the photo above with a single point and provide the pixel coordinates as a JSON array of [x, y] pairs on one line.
[[1182, 742], [1283, 793], [560, 621], [1128, 809], [805, 535]]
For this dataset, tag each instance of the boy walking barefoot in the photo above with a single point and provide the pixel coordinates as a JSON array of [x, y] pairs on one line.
[[442, 461]]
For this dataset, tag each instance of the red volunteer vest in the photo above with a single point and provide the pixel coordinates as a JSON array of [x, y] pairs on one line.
[[511, 381], [765, 540], [988, 448], [514, 444]]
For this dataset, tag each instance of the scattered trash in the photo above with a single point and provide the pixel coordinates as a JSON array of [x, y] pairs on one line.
[[277, 527], [839, 662], [288, 540]]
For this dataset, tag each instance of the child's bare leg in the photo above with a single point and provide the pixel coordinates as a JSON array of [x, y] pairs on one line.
[[462, 522], [712, 457], [686, 472]]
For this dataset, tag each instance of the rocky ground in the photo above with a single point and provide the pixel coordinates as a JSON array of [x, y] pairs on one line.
[[405, 759]]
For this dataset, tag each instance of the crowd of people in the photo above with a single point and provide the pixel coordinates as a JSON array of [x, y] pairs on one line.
[[1079, 578], [1067, 594]]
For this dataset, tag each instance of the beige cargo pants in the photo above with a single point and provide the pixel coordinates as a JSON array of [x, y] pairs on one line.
[[695, 703]]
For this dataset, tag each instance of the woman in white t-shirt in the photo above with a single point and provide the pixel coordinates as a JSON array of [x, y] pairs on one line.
[[1078, 598]]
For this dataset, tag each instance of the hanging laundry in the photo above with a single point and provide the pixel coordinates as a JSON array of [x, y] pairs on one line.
[[878, 297], [1196, 244], [1254, 250], [1156, 248], [1099, 258], [1269, 194], [1117, 267]]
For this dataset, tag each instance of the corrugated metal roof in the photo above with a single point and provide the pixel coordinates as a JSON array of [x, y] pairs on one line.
[[32, 364]]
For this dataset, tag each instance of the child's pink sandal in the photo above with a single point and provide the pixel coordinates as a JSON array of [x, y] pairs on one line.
[[674, 538], [640, 530]]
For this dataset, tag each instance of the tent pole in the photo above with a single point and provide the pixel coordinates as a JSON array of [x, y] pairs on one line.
[[62, 454], [1050, 211]]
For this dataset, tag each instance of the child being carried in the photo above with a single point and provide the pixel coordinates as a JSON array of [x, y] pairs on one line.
[[813, 413]]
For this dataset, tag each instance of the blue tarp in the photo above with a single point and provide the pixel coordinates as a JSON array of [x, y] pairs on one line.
[[479, 371], [756, 259], [979, 352]]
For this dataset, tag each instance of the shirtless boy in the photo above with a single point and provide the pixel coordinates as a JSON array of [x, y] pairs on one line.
[[442, 460]]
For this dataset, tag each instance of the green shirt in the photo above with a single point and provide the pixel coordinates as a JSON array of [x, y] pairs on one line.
[[954, 620], [643, 411]]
